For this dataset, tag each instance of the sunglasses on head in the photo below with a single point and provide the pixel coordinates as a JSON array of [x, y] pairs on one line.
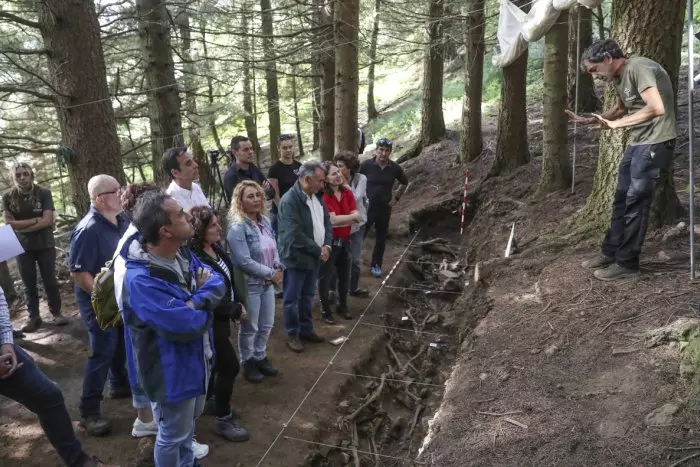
[[385, 143]]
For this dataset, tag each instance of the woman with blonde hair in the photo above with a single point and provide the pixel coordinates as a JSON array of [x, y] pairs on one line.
[[254, 252]]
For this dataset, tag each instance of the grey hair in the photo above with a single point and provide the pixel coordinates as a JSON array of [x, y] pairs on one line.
[[308, 169], [597, 52], [98, 183]]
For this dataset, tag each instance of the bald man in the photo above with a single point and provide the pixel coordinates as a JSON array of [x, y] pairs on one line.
[[92, 244]]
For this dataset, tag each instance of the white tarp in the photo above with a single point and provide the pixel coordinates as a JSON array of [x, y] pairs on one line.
[[516, 28]]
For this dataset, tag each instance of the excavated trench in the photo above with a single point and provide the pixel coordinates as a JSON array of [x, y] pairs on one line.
[[382, 415]]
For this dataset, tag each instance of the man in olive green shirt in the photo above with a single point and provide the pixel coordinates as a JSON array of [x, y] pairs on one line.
[[646, 106]]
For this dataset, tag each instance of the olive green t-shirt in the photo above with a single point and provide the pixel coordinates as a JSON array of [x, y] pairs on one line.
[[639, 75], [29, 206]]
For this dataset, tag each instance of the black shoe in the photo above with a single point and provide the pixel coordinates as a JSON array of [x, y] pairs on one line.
[[359, 293], [343, 311], [95, 425], [33, 324], [251, 371], [266, 368], [328, 318], [311, 337], [294, 343]]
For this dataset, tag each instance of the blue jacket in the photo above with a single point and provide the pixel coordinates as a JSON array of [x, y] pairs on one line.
[[246, 253], [295, 230], [164, 336]]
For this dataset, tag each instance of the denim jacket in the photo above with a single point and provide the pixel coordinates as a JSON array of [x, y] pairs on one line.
[[244, 239]]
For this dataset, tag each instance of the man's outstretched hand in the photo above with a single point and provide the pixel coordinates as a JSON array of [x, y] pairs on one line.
[[605, 124], [574, 118]]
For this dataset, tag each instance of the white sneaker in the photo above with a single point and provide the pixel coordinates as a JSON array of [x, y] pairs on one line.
[[200, 450], [142, 429]]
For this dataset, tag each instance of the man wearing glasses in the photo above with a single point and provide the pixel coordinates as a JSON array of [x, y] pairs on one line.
[[381, 173], [92, 244]]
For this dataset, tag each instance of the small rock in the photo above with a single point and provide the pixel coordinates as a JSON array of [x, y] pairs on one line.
[[663, 256], [434, 319], [343, 404], [483, 376], [663, 415], [551, 350], [560, 386], [535, 351]]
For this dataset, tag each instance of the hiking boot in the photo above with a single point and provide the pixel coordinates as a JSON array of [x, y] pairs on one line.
[[600, 261], [359, 293], [615, 272], [200, 450], [328, 317], [294, 343], [266, 367], [227, 428], [251, 372], [95, 425], [33, 324], [59, 320], [119, 393], [376, 271], [343, 311], [93, 461], [311, 337], [141, 429]]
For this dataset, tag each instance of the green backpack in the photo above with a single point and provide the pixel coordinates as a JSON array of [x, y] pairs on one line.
[[103, 300]]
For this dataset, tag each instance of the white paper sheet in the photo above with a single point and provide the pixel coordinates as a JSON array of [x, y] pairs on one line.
[[9, 244]]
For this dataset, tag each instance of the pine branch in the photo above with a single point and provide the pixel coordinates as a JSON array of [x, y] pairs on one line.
[[19, 20]]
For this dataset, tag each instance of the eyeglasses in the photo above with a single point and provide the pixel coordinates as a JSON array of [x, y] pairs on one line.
[[110, 192], [384, 142]]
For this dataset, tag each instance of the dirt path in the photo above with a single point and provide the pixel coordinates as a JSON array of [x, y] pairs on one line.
[[262, 408]]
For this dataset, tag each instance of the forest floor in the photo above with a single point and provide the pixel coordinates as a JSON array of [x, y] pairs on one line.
[[536, 363]]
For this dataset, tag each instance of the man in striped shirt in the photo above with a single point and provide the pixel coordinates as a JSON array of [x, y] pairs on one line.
[[22, 381]]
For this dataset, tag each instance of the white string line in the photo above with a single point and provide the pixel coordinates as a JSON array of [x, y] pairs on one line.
[[330, 362], [408, 330], [404, 459], [427, 291], [391, 379]]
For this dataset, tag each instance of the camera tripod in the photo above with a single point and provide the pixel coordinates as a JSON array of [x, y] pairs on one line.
[[217, 193]]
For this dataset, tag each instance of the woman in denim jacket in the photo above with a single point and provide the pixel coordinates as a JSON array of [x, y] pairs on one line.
[[254, 252]]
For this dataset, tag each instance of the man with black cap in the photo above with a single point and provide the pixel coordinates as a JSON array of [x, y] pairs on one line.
[[381, 173]]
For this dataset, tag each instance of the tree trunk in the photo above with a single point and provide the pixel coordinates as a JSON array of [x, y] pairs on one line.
[[249, 118], [273, 104], [471, 142], [163, 95], [297, 122], [601, 22], [195, 141], [316, 109], [556, 168], [210, 89], [347, 25], [511, 140], [371, 107], [587, 100], [432, 119], [657, 37], [327, 61], [70, 30]]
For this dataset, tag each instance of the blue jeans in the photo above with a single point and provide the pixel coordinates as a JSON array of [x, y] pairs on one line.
[[33, 389], [357, 239], [254, 333], [107, 360], [299, 290], [175, 431]]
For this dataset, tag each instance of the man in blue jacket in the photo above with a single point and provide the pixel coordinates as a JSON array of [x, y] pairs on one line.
[[169, 297], [303, 241]]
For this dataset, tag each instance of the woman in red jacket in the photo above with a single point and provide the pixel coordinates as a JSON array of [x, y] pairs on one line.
[[342, 208]]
